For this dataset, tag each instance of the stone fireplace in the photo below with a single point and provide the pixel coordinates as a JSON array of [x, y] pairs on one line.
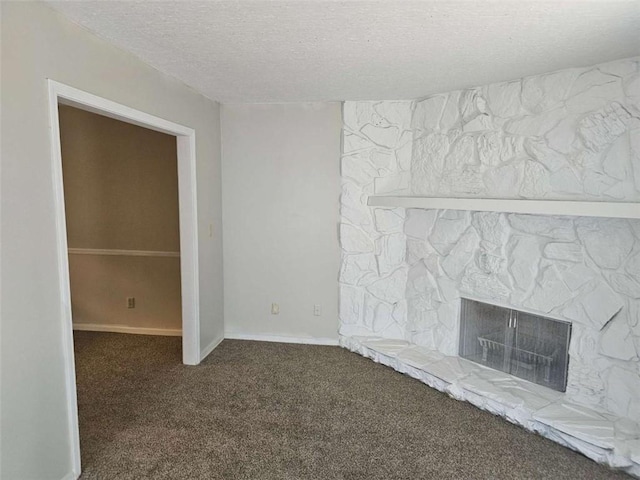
[[568, 135]]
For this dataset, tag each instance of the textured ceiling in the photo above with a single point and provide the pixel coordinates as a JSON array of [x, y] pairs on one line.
[[290, 51]]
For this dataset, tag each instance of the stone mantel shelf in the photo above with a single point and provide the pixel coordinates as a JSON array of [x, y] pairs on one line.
[[539, 207]]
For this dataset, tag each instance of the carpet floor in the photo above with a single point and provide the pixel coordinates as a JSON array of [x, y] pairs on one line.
[[256, 410]]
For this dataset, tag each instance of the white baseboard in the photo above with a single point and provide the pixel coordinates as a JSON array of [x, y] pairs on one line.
[[97, 327], [283, 339], [209, 348]]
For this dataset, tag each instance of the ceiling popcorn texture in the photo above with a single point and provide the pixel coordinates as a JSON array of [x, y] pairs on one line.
[[293, 51]]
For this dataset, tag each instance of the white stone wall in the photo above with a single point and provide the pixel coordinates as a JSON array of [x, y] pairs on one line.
[[573, 134], [377, 141]]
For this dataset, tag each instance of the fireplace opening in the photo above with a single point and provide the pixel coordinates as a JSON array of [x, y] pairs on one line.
[[528, 346]]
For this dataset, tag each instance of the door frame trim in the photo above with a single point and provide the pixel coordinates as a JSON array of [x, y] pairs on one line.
[[60, 93]]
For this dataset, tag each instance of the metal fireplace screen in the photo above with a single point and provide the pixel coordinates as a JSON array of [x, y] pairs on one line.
[[528, 346]]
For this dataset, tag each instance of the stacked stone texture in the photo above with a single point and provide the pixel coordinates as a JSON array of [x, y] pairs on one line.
[[573, 134], [565, 135], [377, 141]]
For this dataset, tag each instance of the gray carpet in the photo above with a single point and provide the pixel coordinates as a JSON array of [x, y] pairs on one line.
[[256, 410]]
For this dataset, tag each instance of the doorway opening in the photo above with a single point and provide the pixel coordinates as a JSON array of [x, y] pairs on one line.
[[121, 207], [62, 96]]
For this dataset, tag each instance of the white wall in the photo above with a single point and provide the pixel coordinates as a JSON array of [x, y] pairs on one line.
[[280, 203], [37, 44]]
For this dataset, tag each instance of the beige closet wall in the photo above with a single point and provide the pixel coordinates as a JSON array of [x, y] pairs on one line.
[[121, 193]]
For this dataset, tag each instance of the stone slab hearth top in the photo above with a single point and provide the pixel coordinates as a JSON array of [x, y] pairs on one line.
[[537, 207], [599, 435]]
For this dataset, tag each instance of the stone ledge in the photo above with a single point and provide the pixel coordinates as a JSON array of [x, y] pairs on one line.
[[601, 436], [571, 208]]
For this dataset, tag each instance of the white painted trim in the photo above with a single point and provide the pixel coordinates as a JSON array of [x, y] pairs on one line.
[[210, 348], [537, 207], [283, 339], [97, 327], [189, 271], [75, 97], [71, 476], [187, 195], [121, 253], [63, 279]]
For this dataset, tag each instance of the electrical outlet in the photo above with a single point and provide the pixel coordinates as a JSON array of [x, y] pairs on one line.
[[275, 309], [317, 310], [131, 302]]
